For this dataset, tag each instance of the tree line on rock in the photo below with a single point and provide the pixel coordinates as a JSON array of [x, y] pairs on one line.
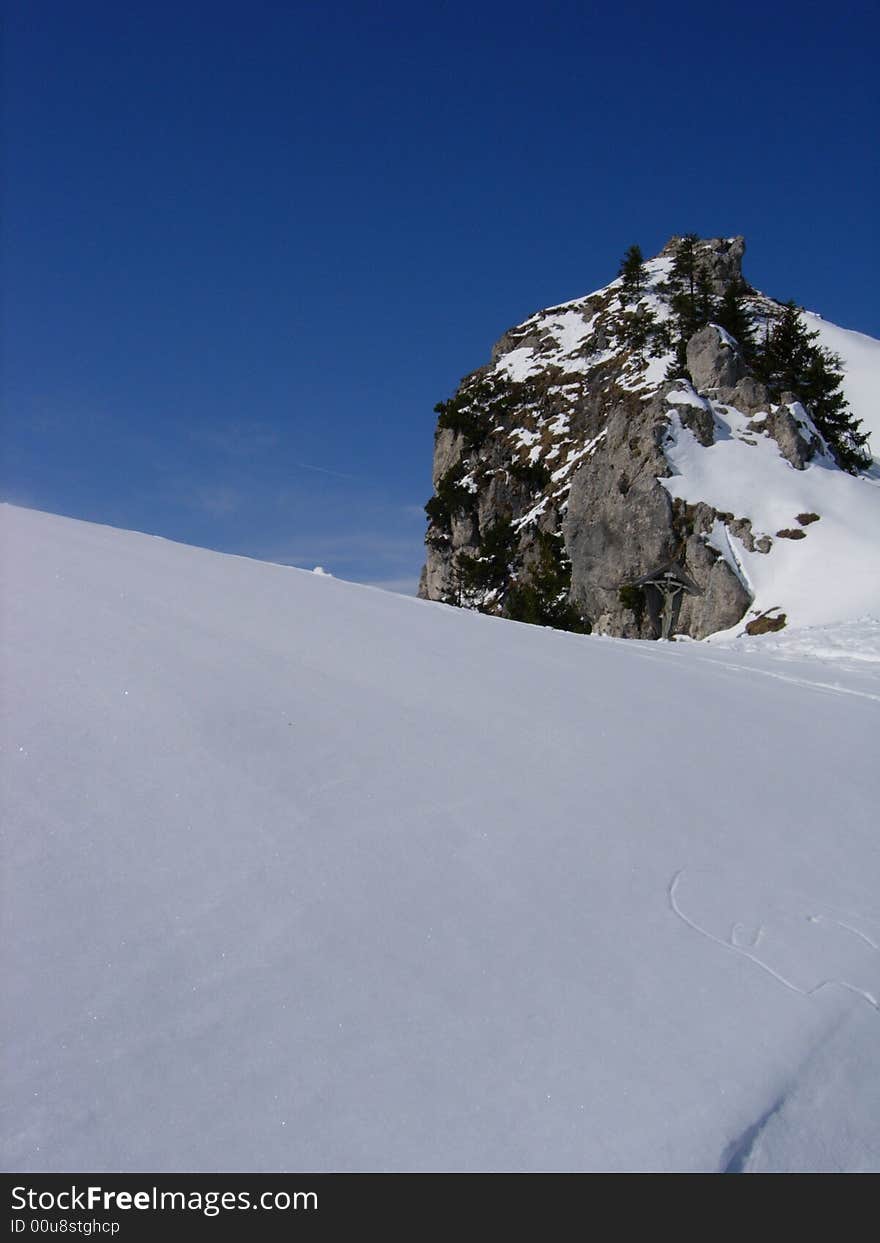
[[787, 359], [691, 299]]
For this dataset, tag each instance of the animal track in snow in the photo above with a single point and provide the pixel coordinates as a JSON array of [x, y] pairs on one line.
[[741, 942]]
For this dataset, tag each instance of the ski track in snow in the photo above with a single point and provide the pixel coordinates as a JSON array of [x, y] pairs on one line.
[[863, 936], [648, 650], [737, 948], [835, 687]]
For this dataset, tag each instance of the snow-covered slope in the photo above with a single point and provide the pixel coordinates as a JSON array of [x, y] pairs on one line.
[[299, 874], [823, 524], [860, 355]]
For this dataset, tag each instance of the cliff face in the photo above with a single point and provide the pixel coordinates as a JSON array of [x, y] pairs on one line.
[[558, 466]]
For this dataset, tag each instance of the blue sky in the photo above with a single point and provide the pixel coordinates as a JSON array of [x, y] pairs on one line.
[[248, 246]]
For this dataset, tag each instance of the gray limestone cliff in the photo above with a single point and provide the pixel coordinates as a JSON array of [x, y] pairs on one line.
[[554, 464]]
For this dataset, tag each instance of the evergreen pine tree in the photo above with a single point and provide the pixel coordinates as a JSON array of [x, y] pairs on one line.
[[691, 299], [831, 412], [661, 338], [678, 367], [785, 354], [632, 274], [539, 595], [704, 298], [490, 569], [731, 314], [636, 330], [790, 361], [683, 276]]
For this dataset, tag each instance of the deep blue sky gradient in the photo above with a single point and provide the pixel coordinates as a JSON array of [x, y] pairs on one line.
[[247, 247]]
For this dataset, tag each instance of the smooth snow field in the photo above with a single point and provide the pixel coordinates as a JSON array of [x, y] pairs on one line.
[[301, 875]]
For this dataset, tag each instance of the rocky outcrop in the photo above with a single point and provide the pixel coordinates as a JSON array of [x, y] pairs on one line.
[[555, 464], [619, 521], [713, 359], [725, 596], [721, 257], [797, 440], [748, 395], [694, 412], [448, 449]]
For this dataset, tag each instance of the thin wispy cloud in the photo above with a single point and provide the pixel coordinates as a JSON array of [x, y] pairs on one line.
[[216, 501], [324, 470], [247, 439], [235, 440]]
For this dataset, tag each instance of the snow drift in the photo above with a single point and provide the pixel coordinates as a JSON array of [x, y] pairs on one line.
[[302, 875]]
